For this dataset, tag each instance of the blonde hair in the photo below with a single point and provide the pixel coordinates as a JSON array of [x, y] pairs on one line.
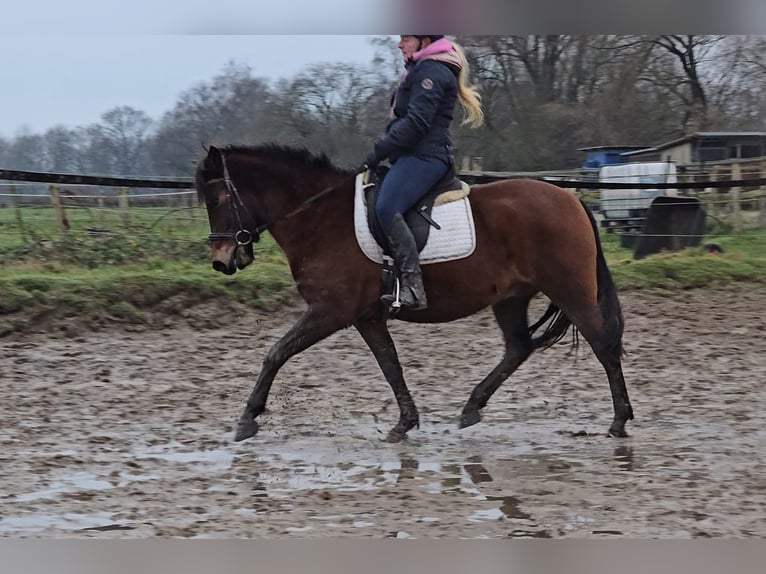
[[470, 100]]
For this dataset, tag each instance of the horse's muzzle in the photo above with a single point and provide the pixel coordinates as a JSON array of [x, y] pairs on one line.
[[223, 268]]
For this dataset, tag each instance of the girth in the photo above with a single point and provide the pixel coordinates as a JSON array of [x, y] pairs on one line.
[[418, 217]]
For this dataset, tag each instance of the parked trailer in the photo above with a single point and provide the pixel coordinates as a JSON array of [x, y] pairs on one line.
[[626, 209]]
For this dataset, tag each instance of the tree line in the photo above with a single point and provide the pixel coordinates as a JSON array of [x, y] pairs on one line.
[[544, 96]]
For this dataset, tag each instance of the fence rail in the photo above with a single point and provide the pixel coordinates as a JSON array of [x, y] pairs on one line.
[[104, 180], [556, 177], [40, 204]]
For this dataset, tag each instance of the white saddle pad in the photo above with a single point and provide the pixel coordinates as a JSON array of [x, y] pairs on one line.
[[456, 238]]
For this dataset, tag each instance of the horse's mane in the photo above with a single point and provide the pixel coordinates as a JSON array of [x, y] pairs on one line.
[[274, 154], [278, 152]]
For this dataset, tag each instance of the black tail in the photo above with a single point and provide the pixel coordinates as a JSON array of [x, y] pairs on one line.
[[554, 331], [607, 295], [558, 323]]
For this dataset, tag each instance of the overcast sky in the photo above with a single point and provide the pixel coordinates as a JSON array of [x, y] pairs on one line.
[[89, 56], [53, 79]]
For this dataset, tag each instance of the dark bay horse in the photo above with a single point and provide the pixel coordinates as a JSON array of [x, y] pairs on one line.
[[532, 237]]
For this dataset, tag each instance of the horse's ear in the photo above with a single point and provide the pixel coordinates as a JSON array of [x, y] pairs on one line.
[[214, 161]]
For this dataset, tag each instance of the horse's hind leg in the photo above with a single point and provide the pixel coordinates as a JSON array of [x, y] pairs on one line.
[[375, 333], [609, 355], [623, 411], [311, 328], [607, 346], [511, 316]]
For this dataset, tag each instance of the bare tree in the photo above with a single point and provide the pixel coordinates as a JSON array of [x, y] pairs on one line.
[[4, 146], [737, 75], [691, 54], [233, 107], [61, 149], [332, 100], [26, 151], [124, 133]]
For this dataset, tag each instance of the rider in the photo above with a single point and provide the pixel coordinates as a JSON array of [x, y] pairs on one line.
[[417, 143]]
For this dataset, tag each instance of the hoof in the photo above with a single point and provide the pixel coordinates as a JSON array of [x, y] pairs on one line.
[[245, 429], [469, 418], [616, 432], [395, 435], [399, 432]]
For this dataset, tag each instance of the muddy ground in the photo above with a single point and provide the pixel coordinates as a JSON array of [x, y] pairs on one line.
[[127, 433]]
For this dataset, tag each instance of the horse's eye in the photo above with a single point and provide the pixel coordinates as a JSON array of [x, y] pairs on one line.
[[212, 199]]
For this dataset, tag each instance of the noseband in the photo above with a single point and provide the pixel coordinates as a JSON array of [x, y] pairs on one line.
[[245, 236]]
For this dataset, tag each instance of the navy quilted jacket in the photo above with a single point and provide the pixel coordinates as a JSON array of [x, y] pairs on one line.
[[424, 105]]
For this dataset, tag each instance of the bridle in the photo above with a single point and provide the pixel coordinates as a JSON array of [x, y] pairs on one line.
[[244, 236]]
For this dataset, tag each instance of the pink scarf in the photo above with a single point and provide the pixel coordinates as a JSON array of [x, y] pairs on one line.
[[441, 50]]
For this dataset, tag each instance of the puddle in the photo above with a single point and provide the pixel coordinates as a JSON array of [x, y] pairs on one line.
[[488, 514], [520, 533], [315, 477], [624, 457], [465, 479], [81, 481], [279, 477], [467, 473], [476, 471], [216, 459], [110, 527], [510, 507], [362, 523], [67, 521]]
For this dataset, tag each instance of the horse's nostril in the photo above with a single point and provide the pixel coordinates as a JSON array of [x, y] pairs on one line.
[[218, 266]]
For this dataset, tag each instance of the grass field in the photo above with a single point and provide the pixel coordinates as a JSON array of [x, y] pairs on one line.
[[29, 224]]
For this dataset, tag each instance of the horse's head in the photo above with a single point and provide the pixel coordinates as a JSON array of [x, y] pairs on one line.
[[233, 229]]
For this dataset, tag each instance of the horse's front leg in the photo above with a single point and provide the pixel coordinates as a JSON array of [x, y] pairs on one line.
[[375, 334], [311, 328]]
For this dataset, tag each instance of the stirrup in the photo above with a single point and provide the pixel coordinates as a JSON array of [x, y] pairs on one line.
[[396, 306], [392, 300]]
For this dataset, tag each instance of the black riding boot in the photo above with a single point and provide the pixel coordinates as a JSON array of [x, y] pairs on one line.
[[404, 251]]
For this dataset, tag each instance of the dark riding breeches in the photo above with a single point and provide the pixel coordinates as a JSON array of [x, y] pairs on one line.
[[408, 179]]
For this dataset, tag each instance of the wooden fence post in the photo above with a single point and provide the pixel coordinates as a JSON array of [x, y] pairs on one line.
[[762, 197], [736, 207], [101, 214], [58, 209], [124, 208], [17, 210]]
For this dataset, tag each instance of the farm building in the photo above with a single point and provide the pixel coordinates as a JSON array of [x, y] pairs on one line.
[[703, 147], [697, 157]]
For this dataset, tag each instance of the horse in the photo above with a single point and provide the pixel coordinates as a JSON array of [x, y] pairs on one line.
[[532, 238]]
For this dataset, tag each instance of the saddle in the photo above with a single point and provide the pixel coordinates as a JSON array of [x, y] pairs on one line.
[[418, 217]]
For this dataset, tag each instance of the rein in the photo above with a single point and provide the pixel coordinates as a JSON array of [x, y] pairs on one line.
[[245, 236]]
